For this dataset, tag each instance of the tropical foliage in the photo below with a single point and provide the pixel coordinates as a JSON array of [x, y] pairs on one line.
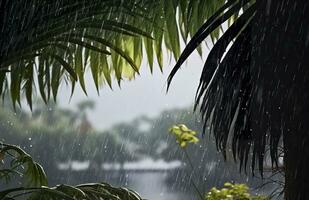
[[232, 192], [32, 181], [142, 138], [66, 135], [47, 43], [37, 176], [253, 89], [35, 187], [224, 90], [79, 192], [18, 160], [43, 44], [184, 135]]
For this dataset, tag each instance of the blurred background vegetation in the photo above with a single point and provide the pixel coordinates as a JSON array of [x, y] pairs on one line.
[[72, 151]]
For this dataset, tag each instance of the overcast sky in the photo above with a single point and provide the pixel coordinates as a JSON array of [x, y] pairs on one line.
[[146, 95]]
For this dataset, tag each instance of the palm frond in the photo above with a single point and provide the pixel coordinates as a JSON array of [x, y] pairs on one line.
[[73, 36], [225, 90], [214, 22]]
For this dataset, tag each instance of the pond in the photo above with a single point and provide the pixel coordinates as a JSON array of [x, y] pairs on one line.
[[152, 179], [152, 186]]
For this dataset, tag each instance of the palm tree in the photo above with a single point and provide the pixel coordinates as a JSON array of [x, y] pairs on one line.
[[254, 86]]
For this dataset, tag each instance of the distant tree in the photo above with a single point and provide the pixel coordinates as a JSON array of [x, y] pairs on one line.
[[58, 129]]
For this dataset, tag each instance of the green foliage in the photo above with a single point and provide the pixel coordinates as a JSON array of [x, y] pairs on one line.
[[66, 134], [225, 90], [20, 163], [232, 192], [57, 129], [50, 42], [36, 186], [183, 135], [89, 191]]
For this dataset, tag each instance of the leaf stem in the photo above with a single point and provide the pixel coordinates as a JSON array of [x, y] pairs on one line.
[[193, 174]]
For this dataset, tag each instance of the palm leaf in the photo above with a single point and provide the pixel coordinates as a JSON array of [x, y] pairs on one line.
[[46, 31], [225, 88], [204, 31]]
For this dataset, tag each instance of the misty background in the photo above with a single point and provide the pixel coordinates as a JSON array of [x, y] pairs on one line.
[[120, 136]]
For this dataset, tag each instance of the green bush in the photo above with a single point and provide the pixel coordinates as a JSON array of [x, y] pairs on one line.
[[232, 192], [15, 161]]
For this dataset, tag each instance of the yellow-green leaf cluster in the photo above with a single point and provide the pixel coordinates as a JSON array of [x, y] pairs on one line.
[[232, 192]]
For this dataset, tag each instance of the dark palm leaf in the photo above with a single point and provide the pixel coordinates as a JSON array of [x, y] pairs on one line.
[[225, 89]]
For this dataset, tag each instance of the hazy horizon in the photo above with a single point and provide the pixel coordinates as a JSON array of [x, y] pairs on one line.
[[145, 95]]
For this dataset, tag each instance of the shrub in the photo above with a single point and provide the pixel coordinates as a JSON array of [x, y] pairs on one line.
[[232, 192]]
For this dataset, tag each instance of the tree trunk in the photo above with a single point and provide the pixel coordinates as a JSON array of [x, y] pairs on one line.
[[297, 164]]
